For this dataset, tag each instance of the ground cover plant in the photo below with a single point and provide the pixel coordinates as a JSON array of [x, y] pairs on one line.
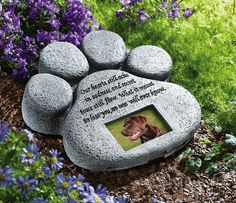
[[34, 178]]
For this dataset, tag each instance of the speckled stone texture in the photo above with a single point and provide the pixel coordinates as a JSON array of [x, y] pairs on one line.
[[104, 49], [46, 98], [89, 144], [150, 62], [65, 60]]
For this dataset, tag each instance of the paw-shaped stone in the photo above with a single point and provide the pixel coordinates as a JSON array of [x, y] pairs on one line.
[[106, 96]]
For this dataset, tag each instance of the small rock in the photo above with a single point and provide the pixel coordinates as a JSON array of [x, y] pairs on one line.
[[149, 61]]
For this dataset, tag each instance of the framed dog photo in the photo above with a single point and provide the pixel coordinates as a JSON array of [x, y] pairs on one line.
[[138, 127]]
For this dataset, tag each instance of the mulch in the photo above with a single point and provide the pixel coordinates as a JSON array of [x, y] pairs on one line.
[[163, 178]]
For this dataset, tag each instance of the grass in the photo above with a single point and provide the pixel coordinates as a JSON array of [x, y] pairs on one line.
[[116, 126], [202, 47]]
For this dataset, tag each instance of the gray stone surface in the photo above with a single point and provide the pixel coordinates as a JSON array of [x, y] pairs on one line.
[[150, 62], [104, 49], [64, 60], [89, 143], [46, 98]]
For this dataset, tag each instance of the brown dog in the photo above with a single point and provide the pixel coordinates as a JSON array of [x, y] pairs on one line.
[[137, 127]]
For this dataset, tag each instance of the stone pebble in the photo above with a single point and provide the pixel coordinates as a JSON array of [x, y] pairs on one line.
[[150, 62], [104, 49], [64, 60], [46, 98]]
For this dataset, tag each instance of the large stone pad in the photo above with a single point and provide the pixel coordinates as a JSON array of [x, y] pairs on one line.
[[105, 96]]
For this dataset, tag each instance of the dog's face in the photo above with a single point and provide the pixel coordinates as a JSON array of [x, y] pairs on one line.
[[134, 127]]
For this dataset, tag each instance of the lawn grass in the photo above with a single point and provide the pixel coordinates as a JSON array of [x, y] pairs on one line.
[[203, 48]]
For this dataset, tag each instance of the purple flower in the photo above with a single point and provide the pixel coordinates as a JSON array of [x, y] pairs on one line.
[[92, 196], [4, 130], [56, 160], [164, 4], [64, 184], [143, 16], [173, 2], [125, 2], [55, 23], [44, 172], [5, 176], [38, 200], [26, 184], [119, 14], [174, 13], [20, 73], [30, 154], [78, 182], [45, 36], [72, 37], [188, 12], [29, 134]]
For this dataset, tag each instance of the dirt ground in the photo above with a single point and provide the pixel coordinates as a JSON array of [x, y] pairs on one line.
[[163, 178]]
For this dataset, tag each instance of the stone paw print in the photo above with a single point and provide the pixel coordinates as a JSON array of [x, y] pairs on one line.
[[77, 94]]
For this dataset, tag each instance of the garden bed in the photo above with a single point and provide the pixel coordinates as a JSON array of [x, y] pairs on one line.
[[165, 178]]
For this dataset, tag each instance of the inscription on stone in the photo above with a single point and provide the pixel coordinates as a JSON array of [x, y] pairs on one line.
[[121, 83]]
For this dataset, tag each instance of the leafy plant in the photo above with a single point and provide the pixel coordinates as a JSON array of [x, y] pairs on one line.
[[209, 161], [28, 176], [26, 26]]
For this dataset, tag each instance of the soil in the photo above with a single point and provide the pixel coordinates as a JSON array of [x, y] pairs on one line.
[[164, 178]]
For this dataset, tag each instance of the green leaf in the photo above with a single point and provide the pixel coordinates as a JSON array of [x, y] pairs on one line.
[[228, 156], [211, 168], [232, 165], [186, 154], [217, 149], [208, 156], [206, 141], [194, 165], [230, 140]]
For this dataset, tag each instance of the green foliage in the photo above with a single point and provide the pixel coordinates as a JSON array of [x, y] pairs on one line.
[[194, 165], [230, 140], [219, 154], [202, 48]]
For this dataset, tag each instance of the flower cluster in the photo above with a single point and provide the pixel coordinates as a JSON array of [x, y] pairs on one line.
[[135, 11], [174, 10], [26, 26], [31, 180]]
